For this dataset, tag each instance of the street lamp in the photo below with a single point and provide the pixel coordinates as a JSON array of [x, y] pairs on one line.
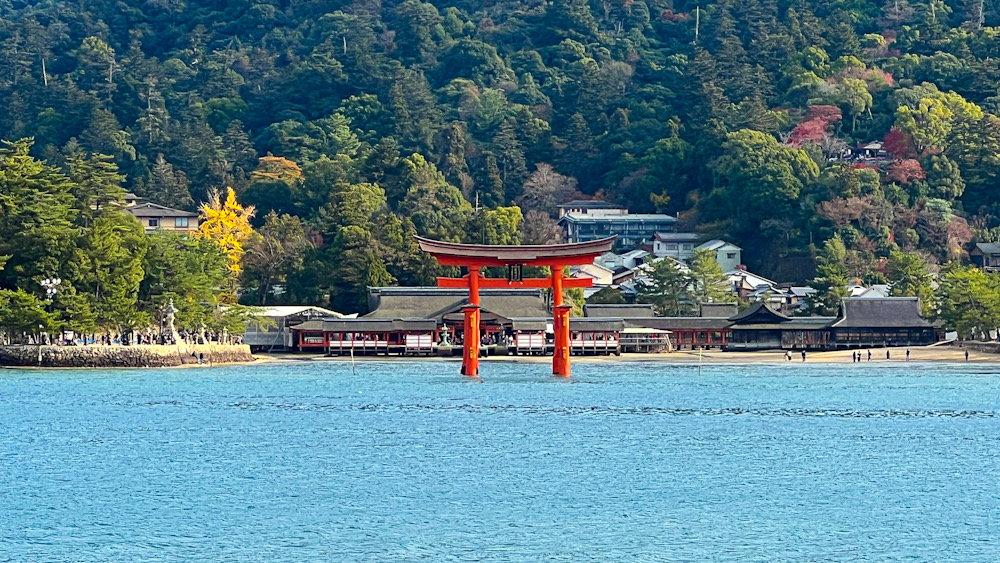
[[51, 286]]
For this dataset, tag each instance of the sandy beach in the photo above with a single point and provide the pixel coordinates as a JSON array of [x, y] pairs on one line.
[[897, 355]]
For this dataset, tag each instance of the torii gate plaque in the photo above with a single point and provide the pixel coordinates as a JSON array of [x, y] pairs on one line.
[[478, 256]]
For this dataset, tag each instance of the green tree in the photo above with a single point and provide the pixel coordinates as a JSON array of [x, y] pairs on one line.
[[830, 282], [668, 289], [970, 301], [273, 253], [97, 186], [710, 283], [36, 217], [22, 313], [909, 276], [359, 267], [167, 186], [437, 209], [608, 295], [192, 272], [107, 266], [757, 180]]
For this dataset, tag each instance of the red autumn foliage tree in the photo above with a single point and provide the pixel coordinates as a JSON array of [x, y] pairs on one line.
[[898, 144], [824, 113], [905, 171], [811, 131]]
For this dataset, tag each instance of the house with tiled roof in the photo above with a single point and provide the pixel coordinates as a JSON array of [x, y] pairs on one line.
[[162, 218]]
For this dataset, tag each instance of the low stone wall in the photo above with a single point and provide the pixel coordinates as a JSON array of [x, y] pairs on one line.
[[987, 347], [122, 356]]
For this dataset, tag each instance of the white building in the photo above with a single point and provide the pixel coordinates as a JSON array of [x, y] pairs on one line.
[[602, 276], [728, 255], [679, 246]]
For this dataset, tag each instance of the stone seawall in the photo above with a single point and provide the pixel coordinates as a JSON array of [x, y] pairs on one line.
[[987, 347], [122, 356]]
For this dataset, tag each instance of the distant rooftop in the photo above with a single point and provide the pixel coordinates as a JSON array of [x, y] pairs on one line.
[[677, 237], [154, 210], [716, 244], [589, 204], [582, 217], [988, 247]]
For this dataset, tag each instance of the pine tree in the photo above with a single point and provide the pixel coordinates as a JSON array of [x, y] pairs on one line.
[[167, 186], [710, 282], [668, 289], [830, 282]]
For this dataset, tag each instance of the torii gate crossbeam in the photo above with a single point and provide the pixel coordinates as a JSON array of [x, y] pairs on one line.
[[475, 257]]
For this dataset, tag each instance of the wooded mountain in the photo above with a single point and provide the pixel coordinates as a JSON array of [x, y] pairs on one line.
[[371, 121]]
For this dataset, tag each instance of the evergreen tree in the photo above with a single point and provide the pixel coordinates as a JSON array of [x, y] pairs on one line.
[[710, 283], [831, 280], [167, 186], [668, 289]]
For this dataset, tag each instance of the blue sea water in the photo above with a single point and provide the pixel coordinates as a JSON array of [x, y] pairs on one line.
[[409, 462]]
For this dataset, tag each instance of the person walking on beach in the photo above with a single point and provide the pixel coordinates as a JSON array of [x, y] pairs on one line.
[[966, 354], [854, 357], [788, 356], [869, 355], [887, 355], [907, 354], [803, 356]]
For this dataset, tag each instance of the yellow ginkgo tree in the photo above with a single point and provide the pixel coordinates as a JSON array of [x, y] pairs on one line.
[[227, 223]]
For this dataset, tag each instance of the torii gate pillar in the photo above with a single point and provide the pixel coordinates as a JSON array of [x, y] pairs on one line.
[[475, 257]]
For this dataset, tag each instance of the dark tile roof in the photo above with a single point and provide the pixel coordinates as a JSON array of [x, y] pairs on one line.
[[618, 310], [757, 313], [595, 324], [724, 310], [888, 312], [435, 303], [678, 323], [154, 210], [795, 323], [988, 247]]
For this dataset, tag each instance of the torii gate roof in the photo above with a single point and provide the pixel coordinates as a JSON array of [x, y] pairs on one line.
[[456, 254]]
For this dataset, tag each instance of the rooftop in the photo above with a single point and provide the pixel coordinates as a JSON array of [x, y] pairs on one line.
[[584, 218], [886, 312], [716, 244], [624, 311], [589, 204], [154, 210], [988, 247], [677, 237], [453, 253]]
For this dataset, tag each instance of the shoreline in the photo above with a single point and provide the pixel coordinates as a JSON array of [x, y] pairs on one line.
[[926, 354]]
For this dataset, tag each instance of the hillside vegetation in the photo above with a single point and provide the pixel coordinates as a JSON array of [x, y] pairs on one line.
[[359, 124]]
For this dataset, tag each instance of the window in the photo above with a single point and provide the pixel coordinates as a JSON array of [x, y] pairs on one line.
[[731, 255], [671, 247], [181, 222], [686, 247], [154, 223]]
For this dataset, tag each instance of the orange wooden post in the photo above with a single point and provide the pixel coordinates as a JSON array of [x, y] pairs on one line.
[[470, 350], [560, 325]]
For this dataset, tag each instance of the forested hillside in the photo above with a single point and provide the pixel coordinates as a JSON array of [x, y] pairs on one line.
[[361, 123]]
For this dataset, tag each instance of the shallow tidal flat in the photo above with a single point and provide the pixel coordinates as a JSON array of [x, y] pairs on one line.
[[402, 461]]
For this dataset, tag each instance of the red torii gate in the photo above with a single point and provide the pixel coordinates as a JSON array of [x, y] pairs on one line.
[[478, 256]]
